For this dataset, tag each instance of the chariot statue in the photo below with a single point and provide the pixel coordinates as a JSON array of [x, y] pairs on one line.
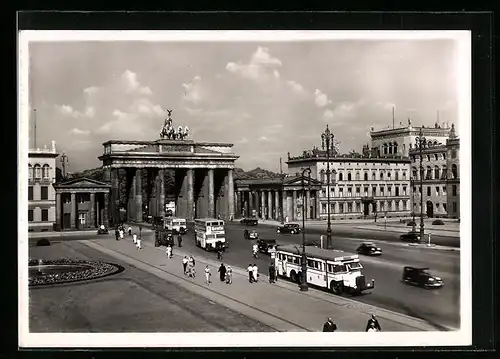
[[168, 130]]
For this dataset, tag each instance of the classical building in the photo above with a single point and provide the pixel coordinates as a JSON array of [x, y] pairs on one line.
[[41, 194], [81, 203], [361, 185], [441, 181], [400, 140], [200, 176], [280, 198]]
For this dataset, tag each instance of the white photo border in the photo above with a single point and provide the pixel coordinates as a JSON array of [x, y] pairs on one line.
[[289, 339]]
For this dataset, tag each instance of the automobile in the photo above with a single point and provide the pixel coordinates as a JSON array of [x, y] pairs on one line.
[[250, 235], [369, 249], [292, 228], [411, 223], [163, 237], [249, 221], [410, 237], [421, 277], [438, 222], [266, 244]]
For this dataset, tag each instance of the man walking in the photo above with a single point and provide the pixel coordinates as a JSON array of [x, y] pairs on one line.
[[179, 240], [121, 233], [229, 275], [169, 251], [272, 273], [250, 273], [135, 238], [222, 272], [185, 262], [255, 271], [139, 243], [207, 275], [329, 326], [373, 323]]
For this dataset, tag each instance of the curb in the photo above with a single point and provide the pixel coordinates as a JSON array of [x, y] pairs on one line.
[[400, 232]]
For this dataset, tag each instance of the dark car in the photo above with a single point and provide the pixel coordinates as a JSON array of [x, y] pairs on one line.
[[369, 249], [410, 237], [163, 237], [438, 222], [249, 221], [411, 223], [266, 244], [292, 228], [421, 277]]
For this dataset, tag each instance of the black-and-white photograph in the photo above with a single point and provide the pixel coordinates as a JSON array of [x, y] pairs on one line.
[[274, 185]]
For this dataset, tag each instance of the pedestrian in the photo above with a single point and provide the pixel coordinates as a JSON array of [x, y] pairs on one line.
[[329, 326], [169, 251], [222, 272], [371, 328], [179, 240], [185, 262], [250, 273], [129, 230], [207, 275], [117, 234], [139, 243], [229, 275], [134, 237], [191, 265], [373, 321], [272, 272], [255, 272], [121, 233]]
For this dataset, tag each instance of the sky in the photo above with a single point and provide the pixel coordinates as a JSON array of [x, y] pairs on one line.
[[265, 98]]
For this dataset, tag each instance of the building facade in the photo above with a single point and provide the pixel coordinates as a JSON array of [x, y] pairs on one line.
[[441, 178], [81, 203], [41, 193], [361, 186], [282, 199]]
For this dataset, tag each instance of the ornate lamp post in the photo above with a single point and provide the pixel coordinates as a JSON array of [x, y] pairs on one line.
[[421, 144], [327, 141], [303, 282], [412, 184]]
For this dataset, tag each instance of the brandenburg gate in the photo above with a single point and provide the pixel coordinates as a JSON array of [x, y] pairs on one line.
[[199, 176]]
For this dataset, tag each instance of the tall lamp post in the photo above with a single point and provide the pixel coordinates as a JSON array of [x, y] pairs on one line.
[[303, 283], [421, 143], [327, 142], [412, 184]]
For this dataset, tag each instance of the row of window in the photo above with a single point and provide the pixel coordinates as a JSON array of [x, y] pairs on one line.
[[438, 174], [357, 177], [437, 189], [316, 264], [438, 206], [44, 193], [435, 156], [45, 215], [355, 207], [349, 193], [38, 171]]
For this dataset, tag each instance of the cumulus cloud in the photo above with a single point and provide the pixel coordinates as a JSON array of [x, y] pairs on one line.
[[67, 111], [89, 91], [132, 85], [320, 98], [77, 131], [193, 91], [260, 67], [296, 87], [328, 114]]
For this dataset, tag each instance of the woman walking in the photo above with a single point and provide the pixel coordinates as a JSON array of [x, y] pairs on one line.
[[222, 272], [207, 275], [229, 275]]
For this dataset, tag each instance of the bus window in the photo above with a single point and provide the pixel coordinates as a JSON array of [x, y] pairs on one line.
[[330, 268], [296, 260], [317, 265], [339, 268], [310, 263], [355, 265], [210, 236]]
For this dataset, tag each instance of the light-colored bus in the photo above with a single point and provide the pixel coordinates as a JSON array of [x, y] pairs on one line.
[[335, 270], [176, 225], [209, 232]]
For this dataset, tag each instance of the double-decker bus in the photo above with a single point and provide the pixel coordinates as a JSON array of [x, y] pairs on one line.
[[208, 232], [335, 270]]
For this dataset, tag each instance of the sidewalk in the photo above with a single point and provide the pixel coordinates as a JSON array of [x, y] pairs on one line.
[[406, 229], [281, 305], [60, 234]]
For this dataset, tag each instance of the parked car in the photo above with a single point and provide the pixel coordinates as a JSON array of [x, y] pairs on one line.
[[421, 277], [249, 221], [438, 222], [369, 249], [291, 228], [250, 235], [410, 237], [266, 244], [411, 223]]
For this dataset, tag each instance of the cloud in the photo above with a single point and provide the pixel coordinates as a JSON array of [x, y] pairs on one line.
[[243, 140], [262, 66], [77, 131], [131, 84], [89, 91], [320, 99], [90, 112], [193, 91], [328, 114], [263, 138], [296, 87]]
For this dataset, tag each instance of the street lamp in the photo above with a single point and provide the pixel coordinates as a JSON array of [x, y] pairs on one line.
[[412, 183], [327, 141], [421, 144], [303, 283]]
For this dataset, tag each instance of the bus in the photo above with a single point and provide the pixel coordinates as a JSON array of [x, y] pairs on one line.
[[335, 270], [209, 232], [176, 225]]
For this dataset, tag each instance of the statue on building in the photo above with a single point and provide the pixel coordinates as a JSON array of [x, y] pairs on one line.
[[409, 122], [168, 130], [53, 146], [452, 131]]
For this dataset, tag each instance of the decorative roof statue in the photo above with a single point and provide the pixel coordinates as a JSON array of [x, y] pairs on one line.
[[53, 146], [409, 122], [452, 131], [168, 130]]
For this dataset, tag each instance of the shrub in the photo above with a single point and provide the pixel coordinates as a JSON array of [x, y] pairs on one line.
[[43, 242]]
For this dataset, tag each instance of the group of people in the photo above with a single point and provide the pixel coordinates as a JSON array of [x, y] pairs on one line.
[[120, 234], [371, 326], [188, 264], [225, 274]]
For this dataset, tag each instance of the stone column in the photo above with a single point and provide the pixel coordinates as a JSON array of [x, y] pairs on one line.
[[138, 195], [115, 197], [294, 205], [98, 220], [284, 200], [276, 205], [73, 210], [251, 203], [92, 210], [270, 204], [211, 194], [263, 204], [106, 208], [230, 192], [318, 205], [161, 193], [58, 211], [308, 203], [190, 195]]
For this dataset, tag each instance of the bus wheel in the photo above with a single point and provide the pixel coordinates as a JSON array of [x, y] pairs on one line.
[[293, 276], [336, 287]]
